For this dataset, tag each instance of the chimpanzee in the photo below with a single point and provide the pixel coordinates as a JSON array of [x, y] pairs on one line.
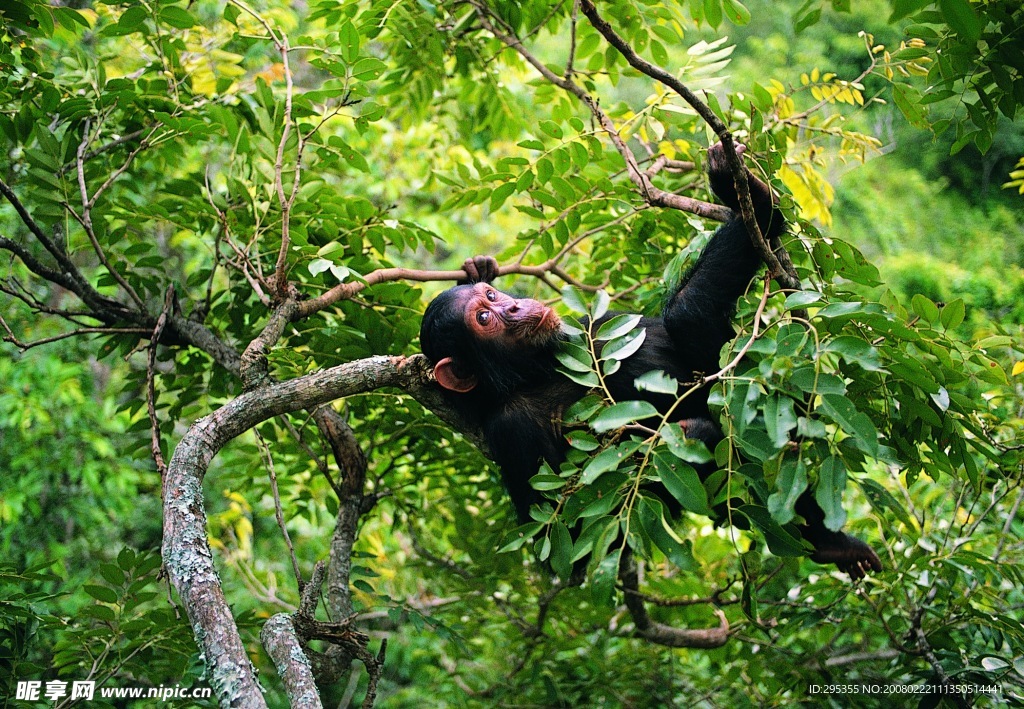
[[494, 356]]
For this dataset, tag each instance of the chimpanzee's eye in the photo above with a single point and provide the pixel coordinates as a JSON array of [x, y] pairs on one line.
[[483, 317], [491, 296]]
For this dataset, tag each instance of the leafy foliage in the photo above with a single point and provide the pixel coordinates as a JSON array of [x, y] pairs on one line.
[[183, 159], [969, 54]]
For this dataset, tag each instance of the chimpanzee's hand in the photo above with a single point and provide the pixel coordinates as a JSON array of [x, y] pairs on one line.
[[723, 185], [717, 163], [480, 269]]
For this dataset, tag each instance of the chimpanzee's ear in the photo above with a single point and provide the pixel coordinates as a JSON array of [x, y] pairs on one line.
[[444, 373]]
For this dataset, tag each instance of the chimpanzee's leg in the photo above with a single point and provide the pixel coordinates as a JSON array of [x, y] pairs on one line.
[[845, 551]]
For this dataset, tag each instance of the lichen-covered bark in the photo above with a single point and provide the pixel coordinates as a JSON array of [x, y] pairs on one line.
[[186, 553]]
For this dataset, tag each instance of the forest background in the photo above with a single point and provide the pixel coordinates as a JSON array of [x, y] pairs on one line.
[[163, 162]]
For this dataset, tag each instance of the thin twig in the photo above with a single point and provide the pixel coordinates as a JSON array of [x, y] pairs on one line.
[[23, 346], [85, 219], [278, 511], [651, 194], [154, 424]]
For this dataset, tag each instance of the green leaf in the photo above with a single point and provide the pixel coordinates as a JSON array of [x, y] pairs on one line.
[[126, 558], [583, 409], [547, 481], [573, 299], [621, 414], [736, 12], [102, 613], [686, 449], [368, 68], [682, 482], [133, 17], [908, 100], [112, 574], [993, 341], [591, 534], [904, 8], [601, 506], [856, 351], [801, 299], [352, 157], [500, 194], [543, 548], [101, 593], [600, 305], [657, 382], [623, 347], [857, 424], [829, 493], [617, 326], [790, 484], [520, 536], [654, 524], [544, 169], [561, 550], [713, 12], [659, 53], [807, 20], [608, 459], [780, 542], [602, 582], [881, 499], [177, 17], [552, 129], [349, 40], [928, 310], [572, 360], [962, 18], [779, 418], [587, 379], [953, 314], [581, 440]]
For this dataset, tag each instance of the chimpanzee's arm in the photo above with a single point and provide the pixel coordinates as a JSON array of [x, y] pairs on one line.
[[518, 444], [698, 317]]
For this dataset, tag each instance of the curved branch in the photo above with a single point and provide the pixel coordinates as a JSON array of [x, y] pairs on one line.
[[186, 551], [659, 633]]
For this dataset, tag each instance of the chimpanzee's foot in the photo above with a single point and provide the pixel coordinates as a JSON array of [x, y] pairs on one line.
[[848, 553]]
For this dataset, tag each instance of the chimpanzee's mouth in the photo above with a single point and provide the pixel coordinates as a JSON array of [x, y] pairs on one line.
[[540, 326]]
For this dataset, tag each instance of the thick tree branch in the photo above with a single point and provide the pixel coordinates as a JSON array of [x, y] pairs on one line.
[[186, 551], [282, 643], [352, 464]]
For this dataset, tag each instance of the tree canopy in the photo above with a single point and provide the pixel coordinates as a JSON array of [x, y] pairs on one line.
[[221, 223]]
